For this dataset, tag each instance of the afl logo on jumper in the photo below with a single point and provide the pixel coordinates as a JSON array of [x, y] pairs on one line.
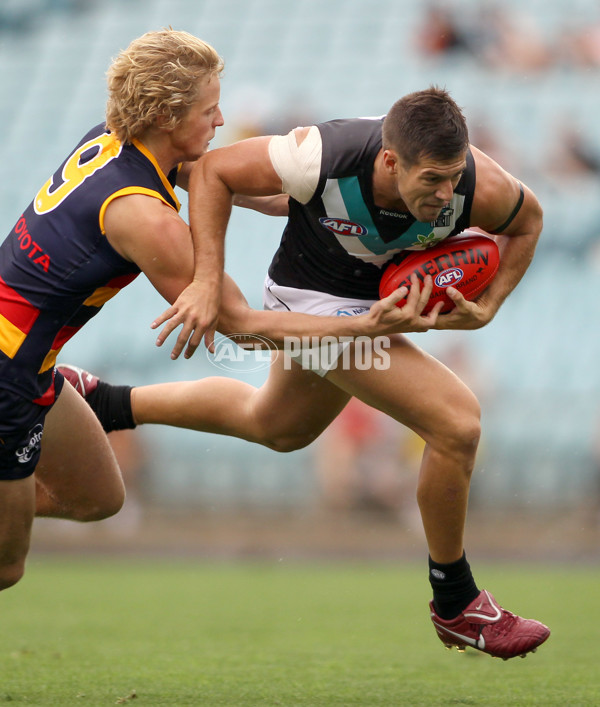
[[342, 227], [448, 278]]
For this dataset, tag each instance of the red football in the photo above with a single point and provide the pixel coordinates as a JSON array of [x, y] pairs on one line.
[[467, 262]]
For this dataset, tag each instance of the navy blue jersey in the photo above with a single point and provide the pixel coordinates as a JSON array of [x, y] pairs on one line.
[[339, 241], [57, 268]]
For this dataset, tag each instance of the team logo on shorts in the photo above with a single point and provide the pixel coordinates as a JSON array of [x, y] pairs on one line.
[[342, 227], [449, 277], [351, 312], [35, 438]]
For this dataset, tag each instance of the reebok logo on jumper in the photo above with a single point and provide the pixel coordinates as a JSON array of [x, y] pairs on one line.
[[394, 214]]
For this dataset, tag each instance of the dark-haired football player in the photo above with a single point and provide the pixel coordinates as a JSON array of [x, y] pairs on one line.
[[362, 191]]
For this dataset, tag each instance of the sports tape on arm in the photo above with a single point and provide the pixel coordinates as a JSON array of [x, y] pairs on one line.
[[298, 166]]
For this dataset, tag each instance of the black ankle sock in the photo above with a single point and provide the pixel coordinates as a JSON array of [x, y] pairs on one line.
[[453, 587], [112, 405]]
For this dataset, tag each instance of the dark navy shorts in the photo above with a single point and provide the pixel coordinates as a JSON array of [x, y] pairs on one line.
[[21, 430]]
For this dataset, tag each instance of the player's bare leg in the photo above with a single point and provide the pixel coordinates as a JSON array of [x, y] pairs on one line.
[[78, 476], [17, 508], [421, 393], [288, 412], [294, 406]]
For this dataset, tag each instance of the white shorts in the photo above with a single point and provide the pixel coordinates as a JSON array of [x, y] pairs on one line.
[[322, 358]]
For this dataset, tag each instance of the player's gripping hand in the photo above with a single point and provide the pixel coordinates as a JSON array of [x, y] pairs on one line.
[[388, 318], [466, 315], [196, 311]]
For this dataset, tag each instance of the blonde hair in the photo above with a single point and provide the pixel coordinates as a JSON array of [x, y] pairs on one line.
[[158, 74]]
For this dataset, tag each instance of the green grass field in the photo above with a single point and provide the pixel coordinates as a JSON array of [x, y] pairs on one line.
[[105, 632]]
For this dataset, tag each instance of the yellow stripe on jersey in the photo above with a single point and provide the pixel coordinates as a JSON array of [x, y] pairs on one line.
[[125, 192], [167, 185], [100, 296], [11, 337], [50, 360]]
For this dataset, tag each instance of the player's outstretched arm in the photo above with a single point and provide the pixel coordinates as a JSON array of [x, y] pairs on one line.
[[244, 169], [145, 231], [385, 317], [277, 205], [509, 209]]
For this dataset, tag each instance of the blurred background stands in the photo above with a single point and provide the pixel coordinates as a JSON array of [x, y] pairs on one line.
[[526, 73]]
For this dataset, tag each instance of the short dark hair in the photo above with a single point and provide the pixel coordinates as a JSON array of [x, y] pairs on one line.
[[425, 124]]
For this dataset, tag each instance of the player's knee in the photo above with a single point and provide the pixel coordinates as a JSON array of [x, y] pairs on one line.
[[100, 509], [92, 515], [462, 428], [467, 429], [11, 573]]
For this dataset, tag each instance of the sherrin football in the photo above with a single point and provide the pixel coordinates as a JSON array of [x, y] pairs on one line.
[[468, 262]]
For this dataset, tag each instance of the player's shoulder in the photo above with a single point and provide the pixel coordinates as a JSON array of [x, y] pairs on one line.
[[349, 143], [93, 134], [348, 128], [491, 177], [138, 222], [136, 208], [497, 194]]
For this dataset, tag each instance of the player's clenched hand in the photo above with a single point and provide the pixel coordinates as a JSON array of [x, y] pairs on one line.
[[388, 318], [466, 314], [196, 311]]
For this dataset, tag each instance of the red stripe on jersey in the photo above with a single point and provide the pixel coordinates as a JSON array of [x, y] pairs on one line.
[[48, 397], [63, 336], [16, 308], [122, 280]]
